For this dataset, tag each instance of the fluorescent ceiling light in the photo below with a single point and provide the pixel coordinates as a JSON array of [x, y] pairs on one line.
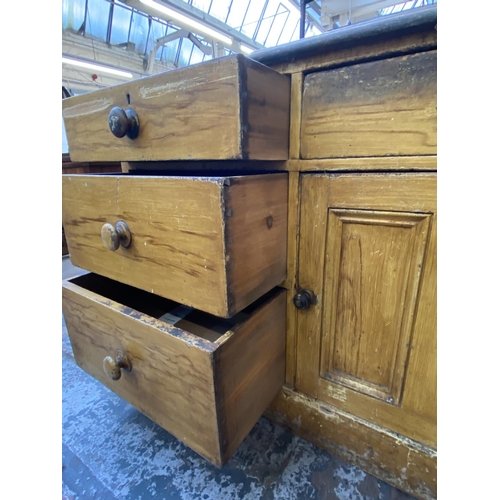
[[198, 27], [245, 49], [97, 67]]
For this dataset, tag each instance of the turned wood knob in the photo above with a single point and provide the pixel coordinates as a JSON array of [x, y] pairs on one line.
[[113, 367], [123, 122], [304, 298], [114, 236]]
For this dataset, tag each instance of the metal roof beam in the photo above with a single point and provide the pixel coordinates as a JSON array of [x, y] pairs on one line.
[[236, 38]]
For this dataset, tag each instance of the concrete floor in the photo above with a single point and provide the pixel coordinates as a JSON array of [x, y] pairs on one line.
[[111, 451]]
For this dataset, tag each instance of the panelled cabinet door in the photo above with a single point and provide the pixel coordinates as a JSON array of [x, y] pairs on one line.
[[368, 251]]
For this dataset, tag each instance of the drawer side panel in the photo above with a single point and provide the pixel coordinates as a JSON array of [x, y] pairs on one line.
[[268, 110], [250, 369], [256, 236]]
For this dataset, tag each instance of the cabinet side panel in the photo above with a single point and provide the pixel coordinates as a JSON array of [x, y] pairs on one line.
[[312, 243]]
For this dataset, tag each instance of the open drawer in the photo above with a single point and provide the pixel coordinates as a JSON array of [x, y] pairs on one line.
[[226, 108], [213, 243], [204, 379]]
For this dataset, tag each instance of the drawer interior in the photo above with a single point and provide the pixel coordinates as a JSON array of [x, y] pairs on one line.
[[199, 323]]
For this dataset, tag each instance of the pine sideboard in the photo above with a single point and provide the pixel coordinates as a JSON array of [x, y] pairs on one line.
[[270, 247]]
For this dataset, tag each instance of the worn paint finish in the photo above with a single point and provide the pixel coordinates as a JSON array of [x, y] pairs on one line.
[[112, 451], [182, 85], [87, 108]]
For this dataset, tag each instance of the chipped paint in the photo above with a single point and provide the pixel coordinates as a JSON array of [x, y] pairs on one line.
[[336, 392]]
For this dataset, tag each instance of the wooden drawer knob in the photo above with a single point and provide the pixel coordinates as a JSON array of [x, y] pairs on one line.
[[113, 367], [114, 236], [123, 122], [304, 298]]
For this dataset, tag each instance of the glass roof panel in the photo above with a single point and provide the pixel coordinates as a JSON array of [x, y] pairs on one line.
[[254, 12], [121, 26], [185, 52], [139, 30], [280, 17], [73, 14], [157, 31], [203, 5], [237, 13], [169, 50], [218, 9], [288, 30], [263, 29], [267, 22], [97, 19], [196, 55], [405, 6]]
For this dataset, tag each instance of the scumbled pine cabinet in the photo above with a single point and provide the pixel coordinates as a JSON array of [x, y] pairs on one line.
[[361, 311], [181, 313], [294, 252]]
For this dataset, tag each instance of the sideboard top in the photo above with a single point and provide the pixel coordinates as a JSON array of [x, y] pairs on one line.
[[387, 27]]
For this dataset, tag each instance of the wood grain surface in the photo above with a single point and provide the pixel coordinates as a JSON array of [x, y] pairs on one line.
[[291, 281], [365, 164], [177, 248], [251, 369], [207, 393], [311, 258], [372, 276], [221, 109], [380, 108], [256, 236], [265, 113], [171, 380], [186, 244], [366, 251], [297, 80]]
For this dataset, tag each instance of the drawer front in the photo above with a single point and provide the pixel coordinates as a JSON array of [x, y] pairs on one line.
[[228, 108], [213, 243], [381, 108], [209, 388]]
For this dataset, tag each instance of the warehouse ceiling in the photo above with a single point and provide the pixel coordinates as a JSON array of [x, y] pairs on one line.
[[105, 42]]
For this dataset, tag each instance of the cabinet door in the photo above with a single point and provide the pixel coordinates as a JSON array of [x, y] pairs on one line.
[[368, 252]]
